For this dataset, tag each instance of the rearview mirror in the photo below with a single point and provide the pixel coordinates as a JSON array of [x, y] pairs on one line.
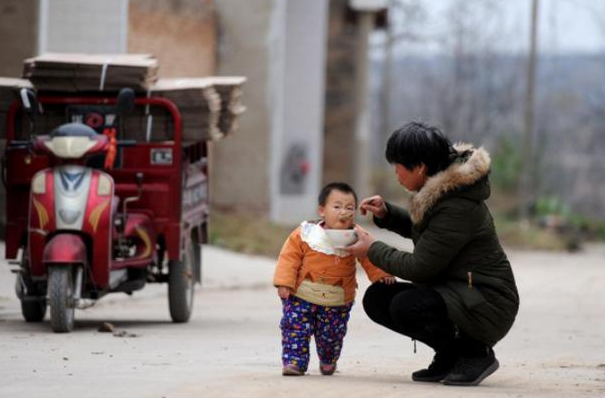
[[125, 102], [29, 102]]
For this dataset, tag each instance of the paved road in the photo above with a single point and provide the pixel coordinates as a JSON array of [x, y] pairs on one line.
[[231, 346]]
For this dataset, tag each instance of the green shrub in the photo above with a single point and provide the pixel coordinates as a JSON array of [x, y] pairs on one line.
[[506, 164], [550, 205]]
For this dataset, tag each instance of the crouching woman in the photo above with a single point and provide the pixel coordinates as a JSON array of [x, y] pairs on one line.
[[462, 297]]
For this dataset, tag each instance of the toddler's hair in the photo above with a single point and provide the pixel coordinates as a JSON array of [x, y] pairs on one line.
[[339, 186]]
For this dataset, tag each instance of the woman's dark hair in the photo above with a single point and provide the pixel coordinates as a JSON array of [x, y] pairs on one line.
[[417, 143], [339, 186]]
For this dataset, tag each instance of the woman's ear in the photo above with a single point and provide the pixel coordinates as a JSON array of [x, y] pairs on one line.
[[422, 169]]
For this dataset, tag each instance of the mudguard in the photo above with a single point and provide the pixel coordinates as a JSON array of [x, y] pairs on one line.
[[65, 249]]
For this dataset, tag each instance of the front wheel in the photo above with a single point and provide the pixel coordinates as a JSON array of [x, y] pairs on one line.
[[181, 284], [61, 298]]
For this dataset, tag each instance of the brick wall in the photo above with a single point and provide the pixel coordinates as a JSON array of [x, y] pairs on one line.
[[181, 33]]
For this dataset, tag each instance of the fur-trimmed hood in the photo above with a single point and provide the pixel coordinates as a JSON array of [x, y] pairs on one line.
[[470, 166]]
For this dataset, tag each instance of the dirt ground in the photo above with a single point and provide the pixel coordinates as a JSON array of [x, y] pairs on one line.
[[231, 346]]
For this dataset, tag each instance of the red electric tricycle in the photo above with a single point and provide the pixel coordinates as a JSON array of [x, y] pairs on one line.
[[90, 212]]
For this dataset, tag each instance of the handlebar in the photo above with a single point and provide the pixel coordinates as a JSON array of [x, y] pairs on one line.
[[165, 103], [3, 169], [126, 143], [20, 144], [27, 144]]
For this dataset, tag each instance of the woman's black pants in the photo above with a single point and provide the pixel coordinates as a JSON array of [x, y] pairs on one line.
[[421, 314]]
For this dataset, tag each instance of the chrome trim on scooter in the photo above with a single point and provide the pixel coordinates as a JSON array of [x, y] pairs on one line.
[[39, 231], [116, 277], [78, 291], [82, 304]]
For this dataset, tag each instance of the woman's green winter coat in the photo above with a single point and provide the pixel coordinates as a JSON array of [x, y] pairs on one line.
[[456, 249]]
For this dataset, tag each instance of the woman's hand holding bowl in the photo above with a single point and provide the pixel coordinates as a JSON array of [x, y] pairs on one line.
[[360, 248]]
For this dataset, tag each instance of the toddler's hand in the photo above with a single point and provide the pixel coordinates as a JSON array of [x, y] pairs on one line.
[[283, 292], [387, 280]]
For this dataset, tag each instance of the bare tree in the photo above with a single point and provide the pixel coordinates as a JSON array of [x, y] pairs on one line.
[[473, 97], [405, 19], [526, 189], [478, 93]]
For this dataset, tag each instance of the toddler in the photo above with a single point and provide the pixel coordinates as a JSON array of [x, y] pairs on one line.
[[316, 283]]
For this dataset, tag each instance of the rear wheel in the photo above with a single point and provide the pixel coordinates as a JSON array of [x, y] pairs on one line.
[[33, 311], [181, 284], [33, 303], [61, 298]]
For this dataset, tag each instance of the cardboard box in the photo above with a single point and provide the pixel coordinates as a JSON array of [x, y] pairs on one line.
[[91, 72]]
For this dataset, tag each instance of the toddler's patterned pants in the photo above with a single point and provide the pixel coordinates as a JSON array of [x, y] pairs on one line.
[[301, 320]]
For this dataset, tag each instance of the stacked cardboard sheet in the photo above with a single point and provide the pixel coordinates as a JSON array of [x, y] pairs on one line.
[[91, 72], [209, 108], [230, 91], [197, 101]]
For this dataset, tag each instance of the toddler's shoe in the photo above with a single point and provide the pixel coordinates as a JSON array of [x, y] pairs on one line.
[[327, 369], [291, 370]]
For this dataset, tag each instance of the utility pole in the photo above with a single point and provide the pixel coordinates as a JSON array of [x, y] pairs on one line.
[[526, 193]]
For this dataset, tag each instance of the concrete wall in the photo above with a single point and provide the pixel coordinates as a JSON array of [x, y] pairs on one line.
[[278, 45], [339, 127], [18, 34], [240, 163], [273, 164]]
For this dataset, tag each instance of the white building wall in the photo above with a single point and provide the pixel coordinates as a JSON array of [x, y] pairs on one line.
[[297, 75], [90, 26]]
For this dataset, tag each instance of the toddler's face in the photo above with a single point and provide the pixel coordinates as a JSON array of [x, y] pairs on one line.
[[339, 210]]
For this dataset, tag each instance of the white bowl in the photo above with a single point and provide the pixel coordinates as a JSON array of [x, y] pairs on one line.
[[341, 237]]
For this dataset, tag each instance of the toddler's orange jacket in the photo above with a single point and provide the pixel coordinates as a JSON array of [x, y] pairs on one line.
[[299, 261]]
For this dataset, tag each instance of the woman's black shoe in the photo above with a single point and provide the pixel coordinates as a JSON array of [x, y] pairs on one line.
[[440, 367], [471, 371]]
